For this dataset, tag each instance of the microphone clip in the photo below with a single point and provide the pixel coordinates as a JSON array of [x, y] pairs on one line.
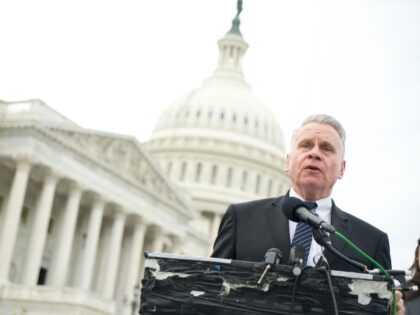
[[272, 257], [322, 263], [267, 268], [296, 258]]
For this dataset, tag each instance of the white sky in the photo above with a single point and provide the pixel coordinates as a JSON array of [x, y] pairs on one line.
[[116, 65]]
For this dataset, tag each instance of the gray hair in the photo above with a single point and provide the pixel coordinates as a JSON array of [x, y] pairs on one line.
[[325, 120]]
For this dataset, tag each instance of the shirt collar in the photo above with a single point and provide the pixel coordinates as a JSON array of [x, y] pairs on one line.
[[324, 204]]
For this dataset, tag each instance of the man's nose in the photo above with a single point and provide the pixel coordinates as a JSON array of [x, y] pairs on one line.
[[314, 152]]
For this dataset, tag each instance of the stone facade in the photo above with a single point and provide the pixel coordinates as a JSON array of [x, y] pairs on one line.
[[78, 209]]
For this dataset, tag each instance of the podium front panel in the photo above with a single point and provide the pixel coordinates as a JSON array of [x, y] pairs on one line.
[[198, 285]]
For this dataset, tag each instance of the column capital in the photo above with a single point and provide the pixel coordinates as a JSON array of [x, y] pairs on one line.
[[98, 199], [119, 212], [51, 174], [74, 185], [24, 161], [143, 221], [156, 230]]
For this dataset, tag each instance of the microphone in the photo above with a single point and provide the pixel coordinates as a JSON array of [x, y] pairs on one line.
[[297, 210], [297, 255], [272, 257], [321, 237]]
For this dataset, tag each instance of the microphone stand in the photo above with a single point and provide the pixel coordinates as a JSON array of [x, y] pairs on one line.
[[323, 239]]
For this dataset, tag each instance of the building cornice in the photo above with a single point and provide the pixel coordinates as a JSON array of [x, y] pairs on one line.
[[122, 156]]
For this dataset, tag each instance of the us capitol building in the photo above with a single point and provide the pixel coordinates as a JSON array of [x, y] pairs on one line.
[[79, 207]]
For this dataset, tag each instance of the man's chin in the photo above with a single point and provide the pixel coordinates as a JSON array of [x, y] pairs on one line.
[[311, 185], [313, 179]]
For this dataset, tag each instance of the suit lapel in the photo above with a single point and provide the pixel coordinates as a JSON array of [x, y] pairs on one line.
[[279, 226], [340, 221]]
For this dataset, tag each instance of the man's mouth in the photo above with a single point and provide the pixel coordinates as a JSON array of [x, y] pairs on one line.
[[312, 168]]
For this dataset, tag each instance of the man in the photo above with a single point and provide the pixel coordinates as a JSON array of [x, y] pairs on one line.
[[314, 164]]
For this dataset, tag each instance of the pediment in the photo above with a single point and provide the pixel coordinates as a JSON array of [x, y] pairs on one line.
[[123, 156]]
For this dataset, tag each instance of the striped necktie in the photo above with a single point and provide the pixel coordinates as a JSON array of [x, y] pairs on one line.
[[303, 233]]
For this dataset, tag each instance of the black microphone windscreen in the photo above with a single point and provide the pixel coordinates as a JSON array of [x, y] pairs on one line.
[[273, 256], [321, 237], [290, 205]]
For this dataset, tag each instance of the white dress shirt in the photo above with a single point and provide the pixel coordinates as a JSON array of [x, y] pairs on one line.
[[324, 212]]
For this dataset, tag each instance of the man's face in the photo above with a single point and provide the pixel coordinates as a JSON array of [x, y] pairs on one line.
[[316, 161]]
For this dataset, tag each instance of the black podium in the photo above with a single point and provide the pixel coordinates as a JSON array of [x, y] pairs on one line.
[[175, 284]]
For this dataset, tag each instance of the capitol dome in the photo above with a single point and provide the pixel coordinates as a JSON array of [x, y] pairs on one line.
[[224, 104], [221, 109], [221, 143]]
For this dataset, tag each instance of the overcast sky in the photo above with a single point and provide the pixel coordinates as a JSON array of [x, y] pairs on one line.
[[116, 65]]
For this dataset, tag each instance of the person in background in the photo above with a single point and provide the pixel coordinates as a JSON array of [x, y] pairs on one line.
[[412, 305]]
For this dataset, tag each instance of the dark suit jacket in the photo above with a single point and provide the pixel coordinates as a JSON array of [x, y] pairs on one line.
[[249, 229]]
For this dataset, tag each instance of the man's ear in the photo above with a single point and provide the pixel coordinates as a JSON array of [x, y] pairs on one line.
[[286, 163], [342, 169]]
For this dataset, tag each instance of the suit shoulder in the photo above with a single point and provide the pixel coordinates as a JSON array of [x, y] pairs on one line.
[[357, 222], [255, 204]]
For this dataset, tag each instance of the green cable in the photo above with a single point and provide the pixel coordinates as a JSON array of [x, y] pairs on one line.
[[357, 249]]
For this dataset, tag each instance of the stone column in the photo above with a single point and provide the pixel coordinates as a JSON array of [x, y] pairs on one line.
[[39, 230], [62, 249], [175, 244], [252, 179], [167, 244], [91, 244], [114, 250], [158, 240], [237, 177], [136, 253], [11, 216], [190, 171], [206, 173], [176, 170], [221, 176]]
